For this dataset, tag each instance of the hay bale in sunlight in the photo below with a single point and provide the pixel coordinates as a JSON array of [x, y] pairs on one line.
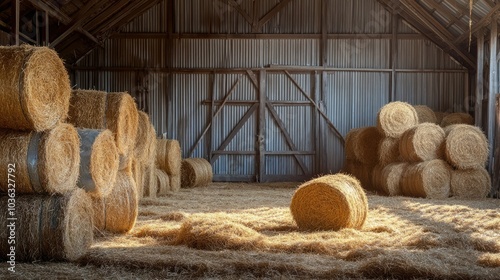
[[117, 213], [100, 110], [137, 173], [330, 202], [145, 142], [470, 183], [388, 151], [98, 161], [43, 162], [35, 88], [50, 228], [175, 182], [196, 172], [457, 118], [422, 143], [162, 181], [425, 114], [150, 182], [362, 172], [395, 118], [466, 146], [349, 144], [440, 116], [217, 233], [366, 145], [386, 179], [168, 156], [429, 179]]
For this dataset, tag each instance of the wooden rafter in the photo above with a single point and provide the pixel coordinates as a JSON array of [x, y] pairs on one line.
[[53, 11], [239, 9], [105, 14], [478, 26], [267, 17], [453, 18]]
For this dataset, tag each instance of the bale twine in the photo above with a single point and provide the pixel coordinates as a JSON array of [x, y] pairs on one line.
[[195, 172], [388, 151], [35, 88], [440, 116], [45, 162], [175, 182], [349, 144], [425, 114], [150, 182], [429, 179], [145, 140], [470, 183], [168, 156], [366, 145], [423, 142], [98, 161], [50, 228], [457, 118], [114, 111], [163, 182], [395, 118], [391, 178], [118, 211], [465, 146], [330, 202]]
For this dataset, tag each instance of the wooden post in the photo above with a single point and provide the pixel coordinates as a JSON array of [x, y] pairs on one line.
[[316, 119], [324, 31], [211, 113], [261, 135], [394, 55], [493, 90], [467, 94], [496, 173], [46, 18], [18, 20], [479, 80]]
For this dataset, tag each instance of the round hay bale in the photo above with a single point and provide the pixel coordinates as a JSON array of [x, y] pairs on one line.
[[117, 213], [466, 146], [470, 183], [163, 182], [150, 182], [395, 118], [175, 182], [366, 145], [137, 174], [457, 118], [348, 167], [388, 151], [145, 142], [49, 228], [98, 161], [391, 178], [440, 116], [377, 180], [195, 172], [330, 202], [423, 142], [35, 88], [425, 114], [45, 162], [168, 156], [429, 179], [349, 143], [100, 110]]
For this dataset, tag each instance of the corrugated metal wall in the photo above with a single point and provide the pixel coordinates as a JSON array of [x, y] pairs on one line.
[[180, 102]]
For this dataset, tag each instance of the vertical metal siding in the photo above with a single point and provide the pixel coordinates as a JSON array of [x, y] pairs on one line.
[[359, 53], [423, 54], [153, 20]]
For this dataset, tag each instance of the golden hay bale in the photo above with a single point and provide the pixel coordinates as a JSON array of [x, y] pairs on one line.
[[366, 143], [51, 228], [145, 142], [395, 118], [98, 161], [330, 202], [349, 143], [168, 156], [175, 182], [465, 146], [429, 179], [34, 88], [422, 143], [377, 180], [387, 178], [137, 174], [361, 171], [457, 118], [150, 182], [196, 172], [470, 183], [217, 233], [425, 114], [440, 116], [45, 162], [100, 110], [388, 151], [118, 211], [163, 182]]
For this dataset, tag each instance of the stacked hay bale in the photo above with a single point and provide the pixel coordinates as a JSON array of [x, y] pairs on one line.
[[168, 159], [49, 218], [196, 172], [144, 161]]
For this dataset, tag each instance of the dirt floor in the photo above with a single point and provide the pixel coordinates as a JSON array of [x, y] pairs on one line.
[[246, 231]]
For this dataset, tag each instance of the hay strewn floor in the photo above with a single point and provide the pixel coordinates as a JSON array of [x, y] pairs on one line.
[[246, 231]]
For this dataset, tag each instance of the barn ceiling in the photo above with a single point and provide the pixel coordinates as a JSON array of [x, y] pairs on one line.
[[76, 27]]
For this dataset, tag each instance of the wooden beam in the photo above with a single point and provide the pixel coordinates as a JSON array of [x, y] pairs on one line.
[[253, 78], [211, 113], [316, 91], [453, 18], [88, 35], [493, 91], [478, 26], [261, 133], [324, 31], [240, 10], [267, 17], [47, 28], [496, 173], [107, 13], [135, 11], [394, 55], [18, 20], [54, 11]]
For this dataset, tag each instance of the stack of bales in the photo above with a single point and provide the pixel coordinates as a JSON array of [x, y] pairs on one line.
[[196, 172], [168, 160], [143, 163], [417, 157], [44, 215]]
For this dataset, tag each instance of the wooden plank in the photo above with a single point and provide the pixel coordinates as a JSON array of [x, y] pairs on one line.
[[235, 131], [233, 178], [54, 11], [261, 134], [253, 78], [47, 29], [479, 25], [267, 17], [238, 153], [453, 19], [190, 154], [239, 9], [275, 153], [332, 126], [496, 173], [250, 102], [288, 138], [211, 113], [493, 90], [18, 20], [105, 14], [288, 178], [315, 89]]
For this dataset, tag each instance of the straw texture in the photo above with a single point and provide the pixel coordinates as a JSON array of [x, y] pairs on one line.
[[466, 146], [425, 114], [196, 172], [470, 183], [429, 179], [366, 143], [168, 156], [457, 118], [395, 118], [423, 142]]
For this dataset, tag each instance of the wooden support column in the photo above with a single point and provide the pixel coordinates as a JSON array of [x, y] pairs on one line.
[[493, 90], [261, 135], [394, 55], [479, 80], [496, 173], [212, 115], [317, 124], [46, 18], [18, 20], [169, 64]]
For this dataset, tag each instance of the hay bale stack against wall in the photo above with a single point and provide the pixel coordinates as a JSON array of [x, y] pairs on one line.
[[35, 88], [150, 181], [388, 151], [395, 118], [470, 183], [440, 116], [163, 182], [457, 118], [365, 144], [349, 144], [98, 161], [423, 142], [50, 228], [118, 211], [45, 162], [168, 156], [425, 114], [429, 179], [145, 143], [196, 172], [137, 174], [330, 202], [466, 146]]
